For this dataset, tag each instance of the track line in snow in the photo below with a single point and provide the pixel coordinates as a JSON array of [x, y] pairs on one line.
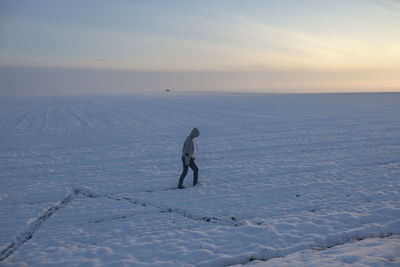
[[112, 218], [19, 124], [45, 120], [36, 223], [163, 209], [32, 121], [77, 117]]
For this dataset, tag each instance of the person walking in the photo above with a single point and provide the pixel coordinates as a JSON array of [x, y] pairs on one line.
[[188, 158]]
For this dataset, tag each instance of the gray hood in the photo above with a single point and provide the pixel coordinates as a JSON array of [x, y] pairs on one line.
[[195, 133]]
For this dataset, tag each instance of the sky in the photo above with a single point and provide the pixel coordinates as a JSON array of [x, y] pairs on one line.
[[121, 46]]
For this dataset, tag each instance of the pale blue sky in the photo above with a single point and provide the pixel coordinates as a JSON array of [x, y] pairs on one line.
[[254, 45]]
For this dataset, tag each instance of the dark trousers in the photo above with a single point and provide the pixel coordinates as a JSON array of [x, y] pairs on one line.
[[193, 166]]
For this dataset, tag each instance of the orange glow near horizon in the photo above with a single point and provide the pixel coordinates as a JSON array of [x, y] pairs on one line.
[[333, 46]]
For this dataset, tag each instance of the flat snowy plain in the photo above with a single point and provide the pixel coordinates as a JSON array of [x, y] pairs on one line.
[[286, 180]]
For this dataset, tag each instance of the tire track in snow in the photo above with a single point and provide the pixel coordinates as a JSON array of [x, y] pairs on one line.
[[77, 117], [18, 125], [36, 223], [164, 209], [32, 122], [12, 124], [118, 114], [45, 120]]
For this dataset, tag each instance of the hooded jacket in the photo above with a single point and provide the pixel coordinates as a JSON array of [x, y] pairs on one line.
[[188, 145]]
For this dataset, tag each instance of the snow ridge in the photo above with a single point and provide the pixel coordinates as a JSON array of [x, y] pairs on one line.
[[269, 253]]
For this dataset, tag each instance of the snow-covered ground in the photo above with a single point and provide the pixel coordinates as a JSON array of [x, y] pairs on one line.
[[285, 179], [368, 252]]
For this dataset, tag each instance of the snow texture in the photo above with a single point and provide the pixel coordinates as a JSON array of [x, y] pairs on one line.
[[369, 252], [285, 180]]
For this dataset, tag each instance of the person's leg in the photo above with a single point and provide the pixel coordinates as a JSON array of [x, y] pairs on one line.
[[184, 172], [195, 169]]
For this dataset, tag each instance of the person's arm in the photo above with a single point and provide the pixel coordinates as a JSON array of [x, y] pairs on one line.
[[187, 150]]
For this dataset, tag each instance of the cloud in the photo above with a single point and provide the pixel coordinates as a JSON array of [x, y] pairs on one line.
[[390, 3], [228, 42]]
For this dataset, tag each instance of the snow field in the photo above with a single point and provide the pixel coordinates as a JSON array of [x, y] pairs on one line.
[[89, 178]]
